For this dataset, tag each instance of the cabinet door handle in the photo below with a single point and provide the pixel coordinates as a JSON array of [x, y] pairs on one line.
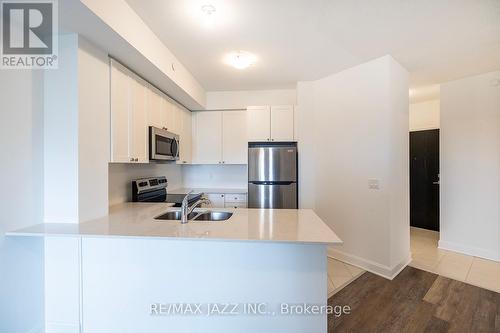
[[132, 159], [223, 162]]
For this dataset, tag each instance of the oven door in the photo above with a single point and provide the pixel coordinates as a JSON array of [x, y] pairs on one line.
[[163, 145]]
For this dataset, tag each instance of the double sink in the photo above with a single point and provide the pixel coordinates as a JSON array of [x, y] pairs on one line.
[[210, 216]]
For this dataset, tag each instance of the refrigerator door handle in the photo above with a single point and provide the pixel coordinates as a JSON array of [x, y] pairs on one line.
[[271, 183], [272, 195]]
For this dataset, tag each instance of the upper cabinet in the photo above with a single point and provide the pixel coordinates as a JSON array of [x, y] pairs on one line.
[[282, 123], [234, 137], [176, 119], [270, 123], [156, 115], [219, 137], [163, 112], [128, 116], [258, 123], [138, 123], [135, 105], [207, 137], [185, 137]]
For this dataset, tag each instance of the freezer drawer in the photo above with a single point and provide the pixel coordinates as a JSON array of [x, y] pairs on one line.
[[272, 196], [272, 163]]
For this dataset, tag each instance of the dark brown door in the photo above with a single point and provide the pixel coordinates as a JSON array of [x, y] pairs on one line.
[[424, 179]]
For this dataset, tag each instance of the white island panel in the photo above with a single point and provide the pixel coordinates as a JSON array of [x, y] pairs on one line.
[[123, 277]]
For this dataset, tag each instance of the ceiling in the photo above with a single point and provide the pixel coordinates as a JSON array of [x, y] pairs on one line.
[[300, 40]]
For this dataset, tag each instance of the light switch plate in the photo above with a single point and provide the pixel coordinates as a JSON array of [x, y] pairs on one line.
[[374, 184]]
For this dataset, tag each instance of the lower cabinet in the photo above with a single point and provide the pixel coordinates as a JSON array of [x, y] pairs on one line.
[[216, 200], [227, 200], [235, 205]]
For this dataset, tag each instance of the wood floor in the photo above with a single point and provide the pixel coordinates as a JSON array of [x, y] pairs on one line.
[[415, 301]]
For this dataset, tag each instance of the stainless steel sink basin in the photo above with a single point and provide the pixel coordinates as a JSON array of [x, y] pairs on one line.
[[196, 216], [213, 216], [174, 215]]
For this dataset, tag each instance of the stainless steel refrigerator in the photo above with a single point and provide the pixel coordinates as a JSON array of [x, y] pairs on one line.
[[272, 175]]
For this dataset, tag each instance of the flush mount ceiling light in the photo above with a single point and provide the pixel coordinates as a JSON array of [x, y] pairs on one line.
[[240, 59]]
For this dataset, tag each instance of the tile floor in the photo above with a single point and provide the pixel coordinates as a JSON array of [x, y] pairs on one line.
[[428, 257], [476, 271], [340, 275]]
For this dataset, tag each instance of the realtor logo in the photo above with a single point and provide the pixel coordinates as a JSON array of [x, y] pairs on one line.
[[29, 34]]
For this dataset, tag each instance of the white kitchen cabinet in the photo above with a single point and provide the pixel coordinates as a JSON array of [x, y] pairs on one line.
[[138, 125], [207, 137], [235, 205], [128, 116], [120, 109], [235, 200], [258, 123], [135, 105], [227, 200], [219, 137], [154, 106], [216, 200], [185, 137], [176, 126], [234, 137], [166, 113], [270, 123], [282, 123]]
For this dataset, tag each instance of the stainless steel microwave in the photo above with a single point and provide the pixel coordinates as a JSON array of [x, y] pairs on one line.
[[163, 145]]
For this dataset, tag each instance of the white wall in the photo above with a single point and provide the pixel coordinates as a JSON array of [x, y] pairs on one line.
[[307, 147], [94, 130], [215, 176], [61, 135], [358, 132], [240, 99], [470, 166], [120, 176], [129, 38], [21, 199], [76, 136], [424, 115]]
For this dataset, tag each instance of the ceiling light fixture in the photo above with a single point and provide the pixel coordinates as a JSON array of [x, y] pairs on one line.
[[240, 59]]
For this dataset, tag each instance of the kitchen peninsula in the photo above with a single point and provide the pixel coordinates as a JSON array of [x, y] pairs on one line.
[[116, 273]]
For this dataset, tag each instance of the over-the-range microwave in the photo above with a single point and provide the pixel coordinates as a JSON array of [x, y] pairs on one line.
[[163, 145]]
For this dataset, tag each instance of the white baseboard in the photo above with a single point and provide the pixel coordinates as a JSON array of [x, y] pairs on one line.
[[368, 265], [469, 250]]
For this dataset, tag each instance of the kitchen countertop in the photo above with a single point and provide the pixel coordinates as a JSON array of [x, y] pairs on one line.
[[137, 220], [208, 190]]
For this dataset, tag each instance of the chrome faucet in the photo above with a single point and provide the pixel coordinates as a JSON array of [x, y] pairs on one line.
[[186, 209]]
